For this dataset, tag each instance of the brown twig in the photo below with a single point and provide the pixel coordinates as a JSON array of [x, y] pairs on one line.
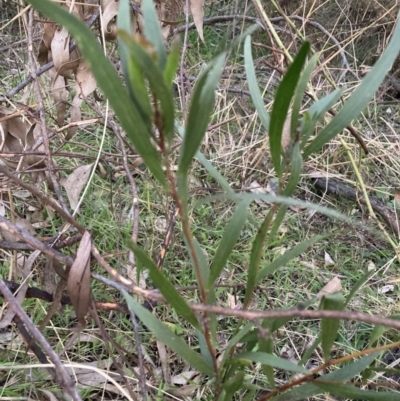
[[43, 198], [62, 378], [219, 310], [35, 243], [334, 187]]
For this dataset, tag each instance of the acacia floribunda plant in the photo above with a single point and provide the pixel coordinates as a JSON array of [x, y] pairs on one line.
[[145, 105]]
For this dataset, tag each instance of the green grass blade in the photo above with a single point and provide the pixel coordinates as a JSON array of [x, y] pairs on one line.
[[288, 256], [330, 327], [152, 31], [271, 360], [284, 94], [173, 297], [253, 85], [168, 337], [228, 241], [108, 80], [361, 96]]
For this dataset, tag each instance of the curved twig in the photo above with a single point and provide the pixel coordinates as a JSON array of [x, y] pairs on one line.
[[336, 188]]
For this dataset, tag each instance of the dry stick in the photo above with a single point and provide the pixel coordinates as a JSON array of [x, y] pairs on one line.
[[255, 314], [33, 292], [42, 116], [334, 187], [35, 243], [127, 285], [45, 199], [63, 378], [47, 66], [167, 238]]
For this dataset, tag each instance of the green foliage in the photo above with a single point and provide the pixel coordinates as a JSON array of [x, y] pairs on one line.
[[147, 103]]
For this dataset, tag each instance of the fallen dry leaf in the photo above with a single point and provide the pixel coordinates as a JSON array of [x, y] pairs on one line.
[[60, 50], [331, 287], [197, 9], [328, 260], [397, 196], [75, 182], [84, 86], [78, 285]]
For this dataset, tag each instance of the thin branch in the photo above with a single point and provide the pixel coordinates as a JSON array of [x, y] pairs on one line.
[[43, 198], [34, 242], [63, 378]]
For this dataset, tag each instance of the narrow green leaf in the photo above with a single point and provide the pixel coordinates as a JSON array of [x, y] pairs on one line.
[[256, 253], [145, 66], [288, 256], [296, 167], [207, 165], [205, 352], [168, 337], [281, 105], [173, 297], [236, 196], [236, 339], [108, 80], [299, 92], [172, 63], [280, 215], [253, 85], [360, 282], [124, 24], [266, 345], [203, 262], [355, 393], [330, 327], [137, 88], [361, 96], [316, 112], [228, 241], [271, 360], [378, 331], [233, 385], [201, 107], [152, 30]]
